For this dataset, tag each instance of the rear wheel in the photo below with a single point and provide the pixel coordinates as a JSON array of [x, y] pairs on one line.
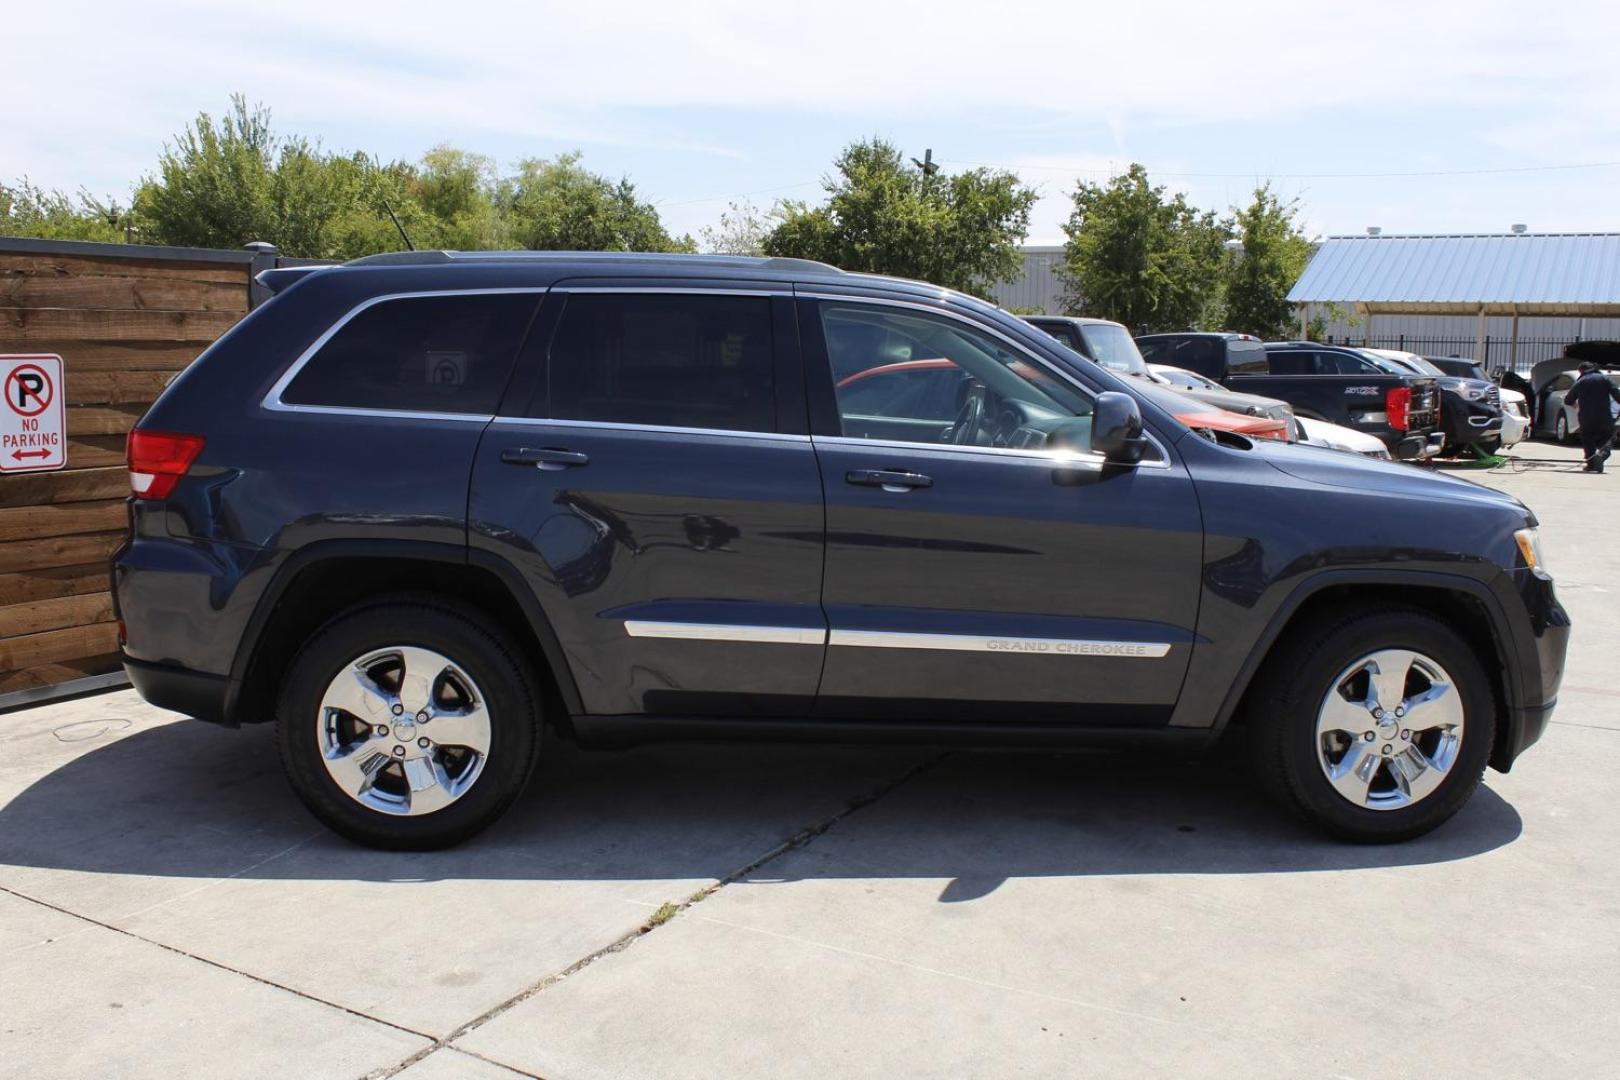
[[1561, 428], [407, 725], [1375, 726]]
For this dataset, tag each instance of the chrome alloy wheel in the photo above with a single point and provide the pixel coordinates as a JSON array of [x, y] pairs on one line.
[[1389, 729], [403, 730]]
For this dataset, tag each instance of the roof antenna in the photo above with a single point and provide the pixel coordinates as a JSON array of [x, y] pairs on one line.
[[403, 235]]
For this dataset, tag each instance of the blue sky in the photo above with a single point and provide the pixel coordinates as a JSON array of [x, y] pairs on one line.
[[706, 103]]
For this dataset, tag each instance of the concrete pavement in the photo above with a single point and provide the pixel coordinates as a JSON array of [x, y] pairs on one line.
[[167, 908]]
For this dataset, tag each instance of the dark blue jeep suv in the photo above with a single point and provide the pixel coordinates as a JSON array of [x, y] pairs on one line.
[[422, 509]]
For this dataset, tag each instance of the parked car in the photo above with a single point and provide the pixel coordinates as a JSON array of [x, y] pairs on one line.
[[1213, 393], [427, 510], [1554, 418], [1324, 382], [1101, 341], [935, 389], [1515, 407], [1470, 409], [1337, 437]]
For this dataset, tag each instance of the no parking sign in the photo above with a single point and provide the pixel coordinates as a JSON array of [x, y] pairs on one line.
[[33, 437]]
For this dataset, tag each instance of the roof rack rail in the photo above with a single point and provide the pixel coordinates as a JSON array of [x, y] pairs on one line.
[[432, 258]]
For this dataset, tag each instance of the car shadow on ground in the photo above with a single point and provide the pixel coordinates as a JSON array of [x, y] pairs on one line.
[[191, 800]]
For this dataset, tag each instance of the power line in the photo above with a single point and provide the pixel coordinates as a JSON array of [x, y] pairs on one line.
[[1302, 176], [743, 195]]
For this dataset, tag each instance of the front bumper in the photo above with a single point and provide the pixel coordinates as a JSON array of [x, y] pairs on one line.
[[1542, 631]]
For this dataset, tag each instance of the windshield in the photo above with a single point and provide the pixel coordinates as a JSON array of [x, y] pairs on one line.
[[1112, 347], [1401, 363]]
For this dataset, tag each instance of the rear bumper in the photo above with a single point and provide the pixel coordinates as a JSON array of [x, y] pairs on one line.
[[1418, 446], [193, 693]]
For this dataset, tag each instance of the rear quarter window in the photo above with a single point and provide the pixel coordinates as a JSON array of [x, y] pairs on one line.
[[423, 354], [1246, 358]]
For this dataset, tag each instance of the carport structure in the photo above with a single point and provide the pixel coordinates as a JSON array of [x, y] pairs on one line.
[[1517, 274]]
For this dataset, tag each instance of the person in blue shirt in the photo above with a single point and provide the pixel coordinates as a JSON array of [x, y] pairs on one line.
[[1590, 395]]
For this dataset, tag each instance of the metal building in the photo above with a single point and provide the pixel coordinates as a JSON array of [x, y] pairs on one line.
[[1039, 288], [1564, 285]]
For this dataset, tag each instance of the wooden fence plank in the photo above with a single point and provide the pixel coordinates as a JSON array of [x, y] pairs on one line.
[[72, 486], [102, 419], [56, 646], [36, 522], [37, 324], [137, 293], [50, 674], [95, 451], [114, 387], [38, 616], [80, 356], [30, 585], [49, 266], [21, 556]]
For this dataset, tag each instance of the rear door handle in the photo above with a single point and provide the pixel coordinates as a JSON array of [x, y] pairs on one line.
[[549, 458], [891, 480]]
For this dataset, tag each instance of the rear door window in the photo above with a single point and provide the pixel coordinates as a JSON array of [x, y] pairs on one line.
[[670, 360], [1292, 362], [418, 354]]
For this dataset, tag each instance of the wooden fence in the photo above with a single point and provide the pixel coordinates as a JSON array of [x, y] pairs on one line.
[[125, 319]]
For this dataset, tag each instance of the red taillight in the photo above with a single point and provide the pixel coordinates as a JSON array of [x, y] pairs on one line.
[[1398, 403], [158, 459]]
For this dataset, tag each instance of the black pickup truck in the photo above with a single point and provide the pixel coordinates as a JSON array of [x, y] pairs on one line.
[[1323, 382]]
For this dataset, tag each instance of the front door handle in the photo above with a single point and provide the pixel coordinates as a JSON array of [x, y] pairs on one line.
[[549, 458], [891, 480]]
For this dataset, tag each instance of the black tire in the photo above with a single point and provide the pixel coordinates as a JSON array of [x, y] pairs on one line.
[[1561, 428], [495, 665], [1283, 705]]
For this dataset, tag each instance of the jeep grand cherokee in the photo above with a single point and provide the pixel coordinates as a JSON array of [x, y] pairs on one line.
[[421, 510]]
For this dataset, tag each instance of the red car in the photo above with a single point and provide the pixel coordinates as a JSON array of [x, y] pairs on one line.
[[931, 390]]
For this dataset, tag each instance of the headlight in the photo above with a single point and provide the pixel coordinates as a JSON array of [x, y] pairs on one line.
[[1474, 395], [1529, 541]]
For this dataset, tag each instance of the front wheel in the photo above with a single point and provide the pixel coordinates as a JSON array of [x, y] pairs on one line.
[[1561, 428], [1375, 726], [407, 725]]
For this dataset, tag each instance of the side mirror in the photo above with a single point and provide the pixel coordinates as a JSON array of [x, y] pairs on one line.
[[1116, 428]]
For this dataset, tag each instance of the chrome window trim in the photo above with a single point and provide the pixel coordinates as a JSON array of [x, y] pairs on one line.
[[692, 631], [1053, 458], [272, 400], [659, 429], [1016, 646], [1163, 461]]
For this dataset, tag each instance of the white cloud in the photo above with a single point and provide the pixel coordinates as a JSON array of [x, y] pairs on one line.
[[97, 88]]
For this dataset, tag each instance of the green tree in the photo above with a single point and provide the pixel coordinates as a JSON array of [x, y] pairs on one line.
[[742, 230], [557, 205], [884, 215], [1273, 257], [29, 210], [227, 182], [1136, 256]]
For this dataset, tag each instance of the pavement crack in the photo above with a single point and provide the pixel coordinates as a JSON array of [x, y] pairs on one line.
[[260, 979], [665, 914]]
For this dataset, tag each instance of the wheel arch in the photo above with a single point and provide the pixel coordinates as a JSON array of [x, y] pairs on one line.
[[1460, 600], [317, 582]]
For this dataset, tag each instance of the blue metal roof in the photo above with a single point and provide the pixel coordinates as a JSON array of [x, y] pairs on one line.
[[1529, 273]]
